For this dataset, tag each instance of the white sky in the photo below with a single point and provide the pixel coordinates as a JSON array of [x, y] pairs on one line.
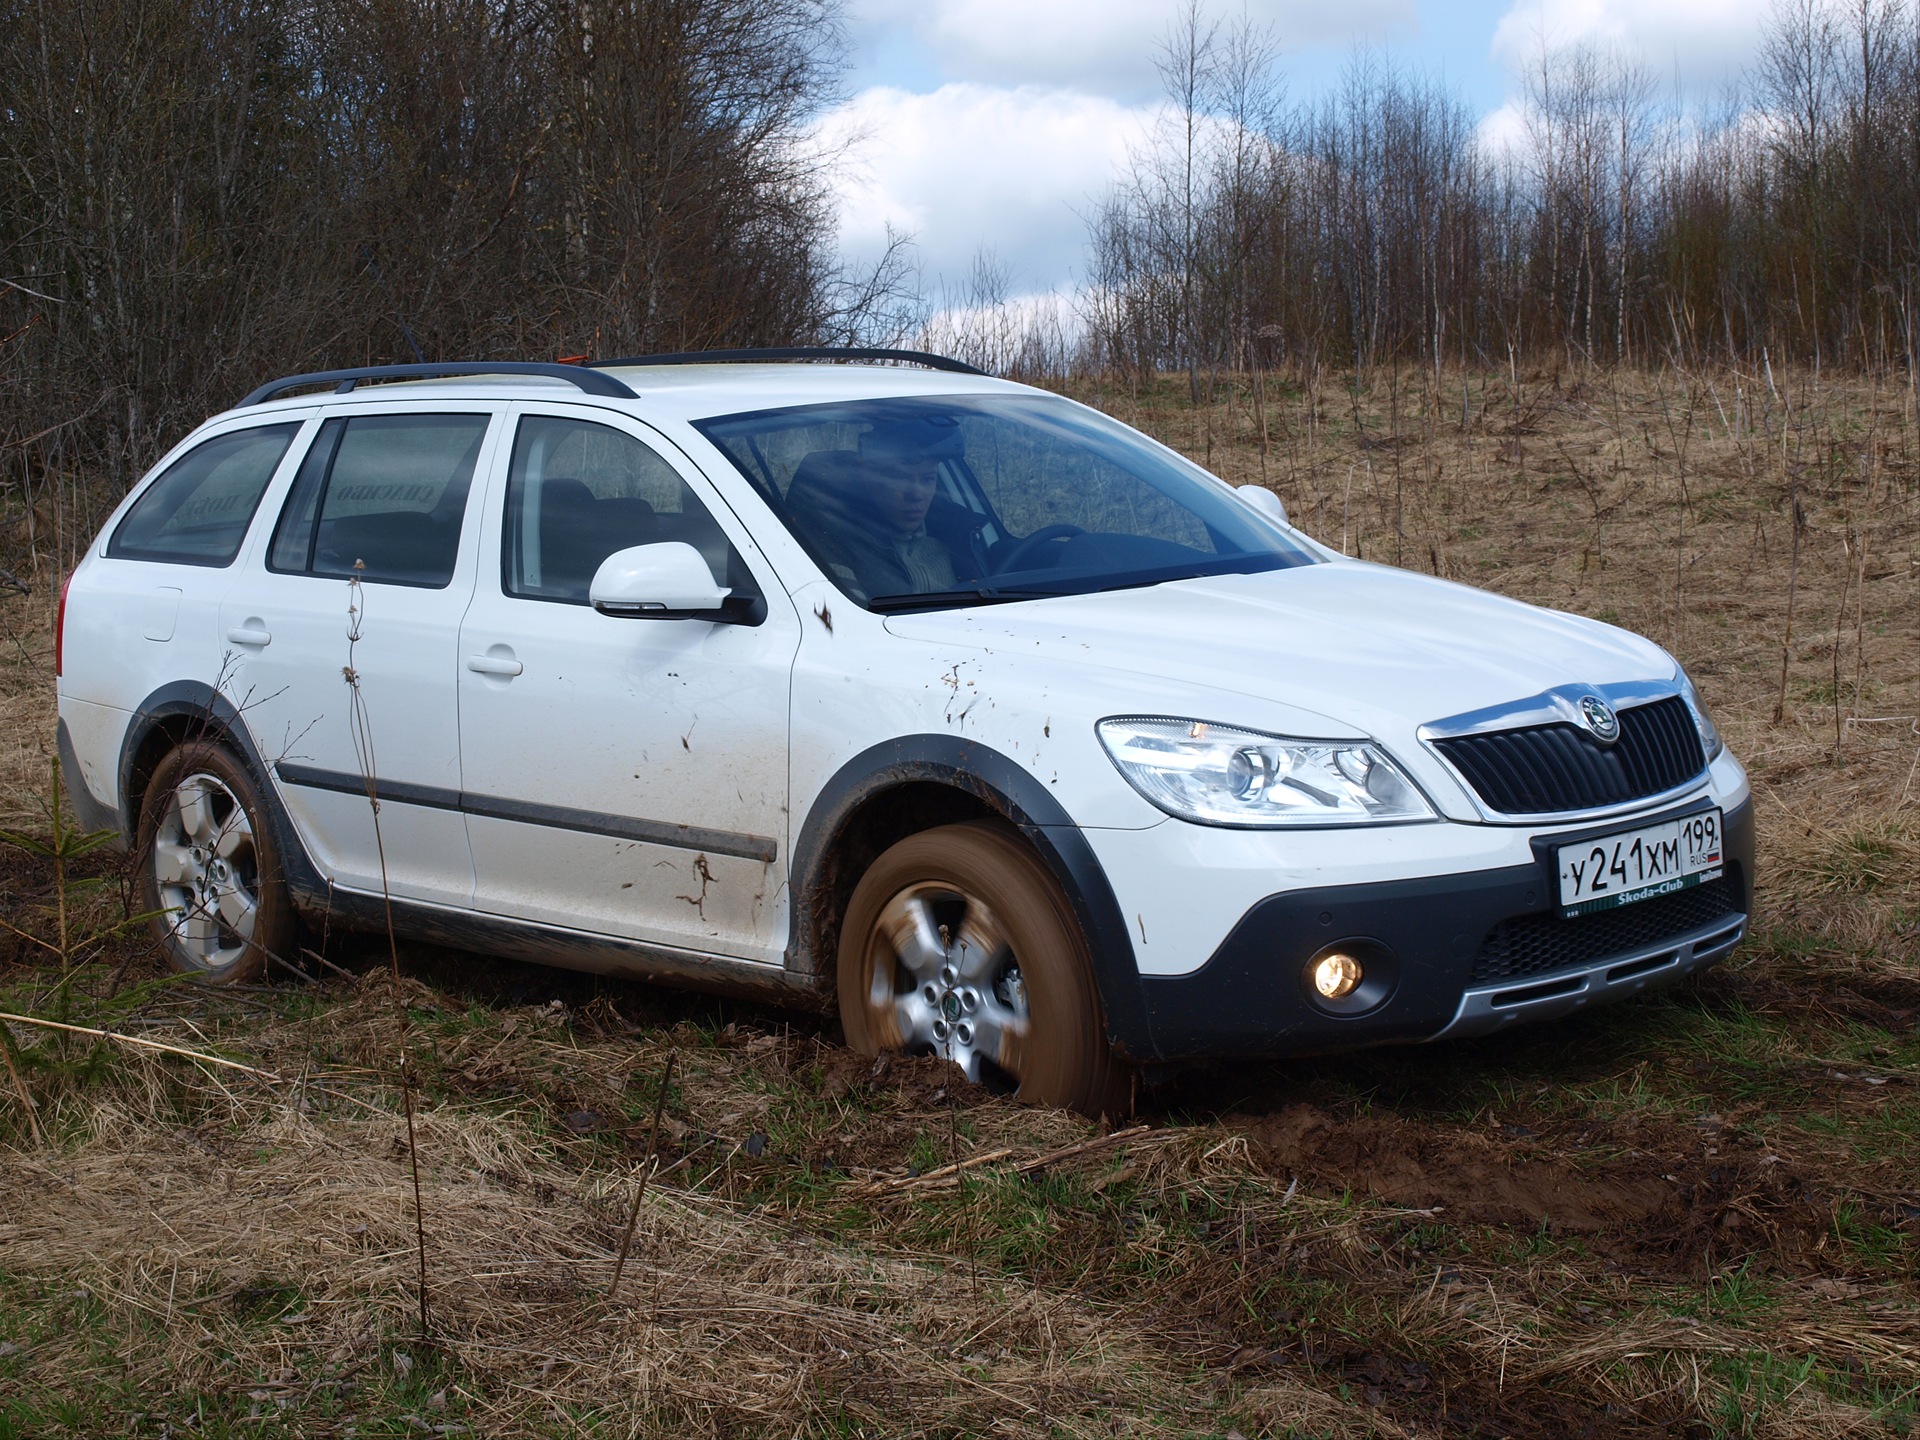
[[998, 124]]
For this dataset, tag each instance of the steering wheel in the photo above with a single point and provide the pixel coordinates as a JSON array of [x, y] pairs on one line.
[[1023, 548]]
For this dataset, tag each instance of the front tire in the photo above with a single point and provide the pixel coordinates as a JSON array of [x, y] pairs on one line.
[[959, 942], [210, 870]]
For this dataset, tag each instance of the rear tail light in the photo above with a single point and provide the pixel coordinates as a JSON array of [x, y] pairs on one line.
[[60, 627]]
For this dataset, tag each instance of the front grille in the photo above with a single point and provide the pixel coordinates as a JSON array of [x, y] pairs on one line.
[[1548, 769], [1541, 944]]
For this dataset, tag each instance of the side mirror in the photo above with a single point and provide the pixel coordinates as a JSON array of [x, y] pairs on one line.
[[1265, 501], [668, 581]]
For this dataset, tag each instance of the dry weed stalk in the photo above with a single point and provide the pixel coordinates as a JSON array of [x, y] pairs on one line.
[[27, 1105], [646, 1168], [362, 729], [201, 1056]]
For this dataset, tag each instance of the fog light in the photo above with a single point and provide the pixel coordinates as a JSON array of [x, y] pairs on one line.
[[1336, 976]]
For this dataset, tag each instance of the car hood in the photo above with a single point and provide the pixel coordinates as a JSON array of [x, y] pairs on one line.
[[1369, 647]]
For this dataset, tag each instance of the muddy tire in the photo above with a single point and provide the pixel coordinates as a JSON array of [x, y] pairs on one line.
[[209, 869], [959, 942]]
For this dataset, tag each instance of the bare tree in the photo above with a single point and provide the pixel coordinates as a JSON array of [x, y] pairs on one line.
[[194, 193]]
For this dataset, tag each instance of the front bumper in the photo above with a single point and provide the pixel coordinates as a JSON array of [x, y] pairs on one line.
[[1471, 953]]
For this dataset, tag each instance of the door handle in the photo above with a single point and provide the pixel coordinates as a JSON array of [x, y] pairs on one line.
[[249, 635], [494, 665]]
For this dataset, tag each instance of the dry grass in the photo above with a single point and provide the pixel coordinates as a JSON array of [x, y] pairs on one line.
[[26, 710], [270, 1251], [1695, 1214]]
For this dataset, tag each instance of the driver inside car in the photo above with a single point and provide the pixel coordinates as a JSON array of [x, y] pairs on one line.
[[892, 551]]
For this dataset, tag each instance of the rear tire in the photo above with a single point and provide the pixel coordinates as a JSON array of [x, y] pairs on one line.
[[209, 868], [959, 942]]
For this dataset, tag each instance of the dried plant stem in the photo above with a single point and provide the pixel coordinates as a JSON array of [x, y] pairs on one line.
[[46, 945], [953, 1149], [20, 1089], [1024, 1167], [143, 1044], [646, 1168], [934, 1176], [60, 869], [1793, 585], [1860, 621], [1086, 1147], [363, 751], [1840, 633]]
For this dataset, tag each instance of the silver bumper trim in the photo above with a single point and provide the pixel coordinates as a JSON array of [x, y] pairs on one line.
[[1548, 997]]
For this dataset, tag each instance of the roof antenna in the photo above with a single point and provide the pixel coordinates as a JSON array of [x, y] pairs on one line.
[[366, 254]]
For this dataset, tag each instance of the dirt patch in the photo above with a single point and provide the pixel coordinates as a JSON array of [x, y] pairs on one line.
[[906, 1082], [1860, 995], [1474, 1179], [1670, 1196]]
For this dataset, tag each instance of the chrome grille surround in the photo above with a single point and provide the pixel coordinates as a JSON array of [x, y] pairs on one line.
[[1557, 716]]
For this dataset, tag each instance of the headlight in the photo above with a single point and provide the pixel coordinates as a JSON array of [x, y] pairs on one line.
[[1218, 775], [1710, 740]]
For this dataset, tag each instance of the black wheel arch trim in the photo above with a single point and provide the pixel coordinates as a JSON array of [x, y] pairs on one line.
[[217, 718], [1010, 791]]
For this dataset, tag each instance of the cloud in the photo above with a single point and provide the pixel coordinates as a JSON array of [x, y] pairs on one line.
[[1105, 46], [972, 165], [1698, 43], [1503, 132]]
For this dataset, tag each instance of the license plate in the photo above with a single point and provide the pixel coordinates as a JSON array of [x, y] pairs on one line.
[[1615, 870]]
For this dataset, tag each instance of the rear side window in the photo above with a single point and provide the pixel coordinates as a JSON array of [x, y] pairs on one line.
[[381, 497], [198, 511], [578, 491]]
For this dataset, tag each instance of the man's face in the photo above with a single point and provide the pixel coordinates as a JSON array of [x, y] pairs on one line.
[[903, 492]]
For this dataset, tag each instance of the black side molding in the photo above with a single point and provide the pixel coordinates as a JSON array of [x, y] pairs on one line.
[[610, 955], [529, 812]]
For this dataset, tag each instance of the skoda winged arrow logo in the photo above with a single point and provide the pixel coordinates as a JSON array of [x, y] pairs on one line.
[[1599, 719]]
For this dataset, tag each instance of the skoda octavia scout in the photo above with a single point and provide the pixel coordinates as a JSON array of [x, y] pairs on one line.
[[889, 687]]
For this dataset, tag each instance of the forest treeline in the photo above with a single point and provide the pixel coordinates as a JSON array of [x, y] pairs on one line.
[[197, 194], [1379, 226]]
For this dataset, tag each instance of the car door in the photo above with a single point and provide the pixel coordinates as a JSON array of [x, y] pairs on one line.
[[622, 775], [361, 585]]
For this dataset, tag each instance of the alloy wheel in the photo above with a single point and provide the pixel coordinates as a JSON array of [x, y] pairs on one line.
[[206, 870], [947, 975]]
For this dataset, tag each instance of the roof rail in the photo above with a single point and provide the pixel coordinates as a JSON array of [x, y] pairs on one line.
[[798, 352], [343, 381]]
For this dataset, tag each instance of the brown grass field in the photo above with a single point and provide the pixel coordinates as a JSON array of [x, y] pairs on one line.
[[1697, 1214]]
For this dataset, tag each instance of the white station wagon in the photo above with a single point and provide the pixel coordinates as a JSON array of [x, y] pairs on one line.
[[962, 706]]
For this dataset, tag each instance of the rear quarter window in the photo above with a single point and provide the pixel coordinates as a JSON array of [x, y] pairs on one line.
[[198, 510]]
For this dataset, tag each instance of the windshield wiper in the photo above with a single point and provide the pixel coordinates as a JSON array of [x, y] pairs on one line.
[[934, 599]]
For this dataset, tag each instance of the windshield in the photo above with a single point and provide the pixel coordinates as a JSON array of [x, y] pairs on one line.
[[917, 504]]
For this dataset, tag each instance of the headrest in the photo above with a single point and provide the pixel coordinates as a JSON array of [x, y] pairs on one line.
[[564, 494], [933, 437], [824, 472]]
